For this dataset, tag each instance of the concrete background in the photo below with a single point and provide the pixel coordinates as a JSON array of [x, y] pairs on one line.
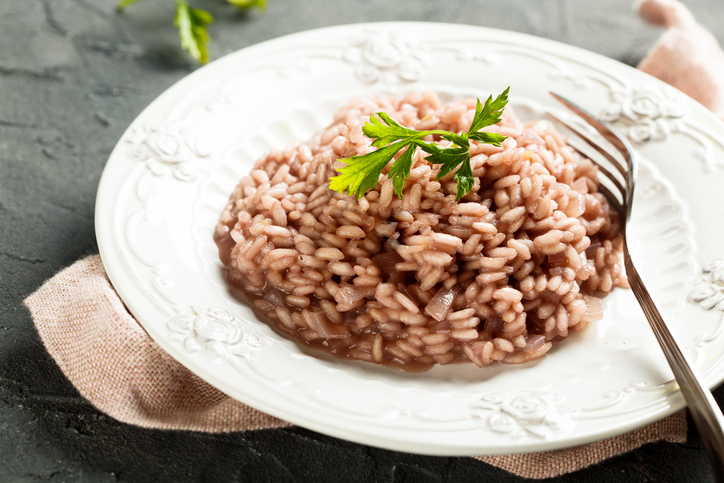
[[73, 75]]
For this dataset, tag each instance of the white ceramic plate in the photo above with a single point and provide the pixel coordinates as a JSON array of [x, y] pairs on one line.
[[170, 175]]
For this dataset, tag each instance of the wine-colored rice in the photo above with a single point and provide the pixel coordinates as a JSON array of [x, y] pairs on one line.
[[412, 282]]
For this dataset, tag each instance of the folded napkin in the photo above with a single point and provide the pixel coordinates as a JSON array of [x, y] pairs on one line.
[[116, 366]]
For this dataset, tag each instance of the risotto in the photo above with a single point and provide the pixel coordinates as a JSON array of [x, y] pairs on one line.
[[501, 275]]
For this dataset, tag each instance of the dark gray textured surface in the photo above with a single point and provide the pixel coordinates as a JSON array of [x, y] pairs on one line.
[[73, 75]]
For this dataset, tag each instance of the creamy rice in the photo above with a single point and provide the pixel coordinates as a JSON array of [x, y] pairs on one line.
[[499, 276]]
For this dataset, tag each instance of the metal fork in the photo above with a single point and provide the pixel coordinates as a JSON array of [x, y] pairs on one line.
[[704, 409]]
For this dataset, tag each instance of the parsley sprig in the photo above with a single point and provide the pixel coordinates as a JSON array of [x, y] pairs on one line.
[[191, 24], [362, 173]]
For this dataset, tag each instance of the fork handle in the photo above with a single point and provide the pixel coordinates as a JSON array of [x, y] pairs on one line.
[[704, 409]]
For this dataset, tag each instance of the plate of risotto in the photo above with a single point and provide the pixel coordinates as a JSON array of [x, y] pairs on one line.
[[376, 232]]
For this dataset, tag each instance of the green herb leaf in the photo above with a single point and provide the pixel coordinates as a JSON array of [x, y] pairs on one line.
[[386, 134], [400, 169], [490, 114], [460, 139], [487, 137], [362, 173], [464, 178], [191, 24], [124, 3], [248, 4], [450, 158]]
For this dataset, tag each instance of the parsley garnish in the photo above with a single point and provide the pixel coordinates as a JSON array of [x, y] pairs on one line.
[[191, 24], [363, 172], [247, 4]]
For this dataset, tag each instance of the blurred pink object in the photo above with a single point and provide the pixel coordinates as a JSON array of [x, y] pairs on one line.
[[687, 56]]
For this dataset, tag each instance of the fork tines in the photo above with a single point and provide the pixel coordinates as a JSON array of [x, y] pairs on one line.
[[610, 152]]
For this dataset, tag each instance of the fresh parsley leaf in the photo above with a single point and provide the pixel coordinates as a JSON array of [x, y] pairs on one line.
[[248, 4], [390, 137], [400, 169], [459, 139], [452, 157], [386, 134], [124, 3], [191, 24], [490, 114], [487, 137], [362, 173], [449, 157], [464, 178]]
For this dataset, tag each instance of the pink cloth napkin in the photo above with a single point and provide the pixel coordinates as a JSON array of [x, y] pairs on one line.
[[116, 366]]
